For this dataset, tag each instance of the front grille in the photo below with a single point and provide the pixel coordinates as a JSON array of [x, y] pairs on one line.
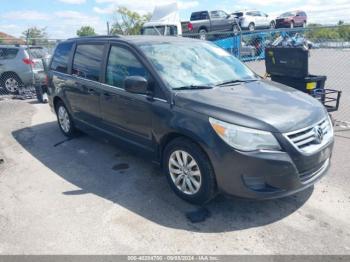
[[311, 139]]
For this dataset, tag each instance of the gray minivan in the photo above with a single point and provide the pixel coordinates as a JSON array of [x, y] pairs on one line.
[[210, 122]]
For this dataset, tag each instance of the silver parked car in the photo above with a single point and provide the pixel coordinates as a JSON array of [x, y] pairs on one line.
[[21, 66]]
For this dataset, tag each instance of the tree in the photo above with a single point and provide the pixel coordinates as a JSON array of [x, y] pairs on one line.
[[86, 31], [340, 22], [33, 35], [128, 22]]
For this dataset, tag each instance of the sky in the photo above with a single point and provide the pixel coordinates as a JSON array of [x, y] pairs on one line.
[[62, 18]]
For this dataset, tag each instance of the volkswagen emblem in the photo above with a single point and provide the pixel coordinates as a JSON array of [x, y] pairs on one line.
[[318, 134]]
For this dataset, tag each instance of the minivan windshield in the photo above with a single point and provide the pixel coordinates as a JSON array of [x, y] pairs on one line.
[[195, 64]]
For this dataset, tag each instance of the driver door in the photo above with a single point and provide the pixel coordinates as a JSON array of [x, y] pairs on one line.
[[126, 115]]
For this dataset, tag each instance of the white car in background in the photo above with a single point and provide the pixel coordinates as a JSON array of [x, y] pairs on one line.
[[253, 19], [165, 21]]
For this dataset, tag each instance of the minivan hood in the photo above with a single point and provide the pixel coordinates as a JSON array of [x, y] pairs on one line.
[[263, 105]]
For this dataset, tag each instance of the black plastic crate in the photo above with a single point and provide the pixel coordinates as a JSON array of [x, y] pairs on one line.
[[305, 84], [287, 61], [330, 98]]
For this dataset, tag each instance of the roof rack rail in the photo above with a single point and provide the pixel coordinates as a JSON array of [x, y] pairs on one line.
[[96, 36]]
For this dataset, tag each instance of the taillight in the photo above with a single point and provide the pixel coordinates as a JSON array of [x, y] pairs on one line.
[[46, 81], [28, 61], [190, 26]]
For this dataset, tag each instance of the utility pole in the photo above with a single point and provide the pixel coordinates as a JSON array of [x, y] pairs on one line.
[[108, 28]]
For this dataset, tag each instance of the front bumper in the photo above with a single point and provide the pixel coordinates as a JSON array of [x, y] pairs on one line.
[[267, 175]]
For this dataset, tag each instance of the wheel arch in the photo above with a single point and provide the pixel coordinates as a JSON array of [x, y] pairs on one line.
[[9, 73], [56, 100], [166, 139], [203, 27]]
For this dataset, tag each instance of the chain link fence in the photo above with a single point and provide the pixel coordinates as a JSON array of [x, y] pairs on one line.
[[329, 56]]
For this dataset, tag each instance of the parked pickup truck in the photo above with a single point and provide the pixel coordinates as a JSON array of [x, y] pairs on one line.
[[204, 22]]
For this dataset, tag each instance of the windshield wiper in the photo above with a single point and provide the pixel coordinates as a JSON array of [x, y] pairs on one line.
[[193, 87], [236, 81]]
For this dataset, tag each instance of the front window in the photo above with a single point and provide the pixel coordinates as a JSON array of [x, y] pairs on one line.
[[195, 64], [121, 64]]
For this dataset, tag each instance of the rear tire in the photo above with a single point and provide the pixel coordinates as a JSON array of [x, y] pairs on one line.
[[11, 82], [189, 171], [65, 121], [203, 34], [251, 27]]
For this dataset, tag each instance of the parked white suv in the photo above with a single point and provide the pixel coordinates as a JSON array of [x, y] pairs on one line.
[[254, 19]]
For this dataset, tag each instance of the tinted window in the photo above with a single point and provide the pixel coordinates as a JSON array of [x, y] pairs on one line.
[[199, 16], [121, 64], [8, 53], [87, 61], [60, 58]]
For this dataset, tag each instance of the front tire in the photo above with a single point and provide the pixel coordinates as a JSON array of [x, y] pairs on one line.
[[272, 25], [65, 121], [251, 27], [189, 171]]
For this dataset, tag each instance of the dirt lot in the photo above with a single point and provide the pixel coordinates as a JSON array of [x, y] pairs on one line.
[[86, 196]]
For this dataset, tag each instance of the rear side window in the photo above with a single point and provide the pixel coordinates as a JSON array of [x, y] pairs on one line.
[[121, 64], [87, 61], [199, 16], [61, 57], [8, 53]]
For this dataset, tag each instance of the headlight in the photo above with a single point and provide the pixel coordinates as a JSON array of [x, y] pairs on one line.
[[243, 138], [331, 128]]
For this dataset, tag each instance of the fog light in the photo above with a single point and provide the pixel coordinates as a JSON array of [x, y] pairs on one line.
[[256, 183]]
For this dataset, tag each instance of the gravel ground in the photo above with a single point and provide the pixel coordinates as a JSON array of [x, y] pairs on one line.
[[86, 196]]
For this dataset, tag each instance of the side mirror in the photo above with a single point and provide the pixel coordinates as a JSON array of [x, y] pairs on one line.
[[136, 85]]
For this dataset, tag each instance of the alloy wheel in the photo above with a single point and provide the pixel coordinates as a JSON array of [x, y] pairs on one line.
[[63, 119], [185, 172], [11, 85]]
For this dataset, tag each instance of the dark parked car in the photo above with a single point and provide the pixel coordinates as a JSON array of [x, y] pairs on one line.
[[211, 123], [204, 22], [291, 19]]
